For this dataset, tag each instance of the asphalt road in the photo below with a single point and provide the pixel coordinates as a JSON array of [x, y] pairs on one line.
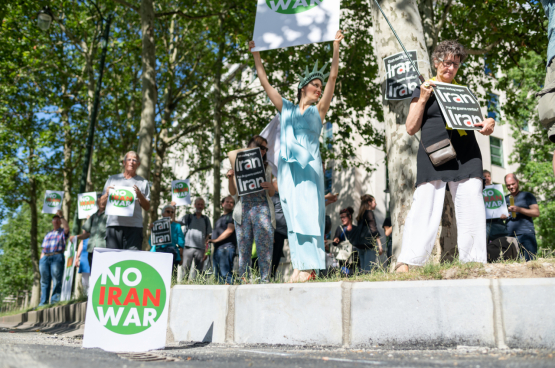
[[41, 350]]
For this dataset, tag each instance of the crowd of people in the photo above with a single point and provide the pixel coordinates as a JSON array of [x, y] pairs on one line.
[[292, 205]]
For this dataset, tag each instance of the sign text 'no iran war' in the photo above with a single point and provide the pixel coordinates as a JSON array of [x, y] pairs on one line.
[[121, 202], [52, 201]]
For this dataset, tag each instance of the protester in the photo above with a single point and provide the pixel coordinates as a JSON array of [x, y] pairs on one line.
[[127, 232], [522, 226], [369, 234], [347, 231], [546, 104], [83, 264], [178, 240], [463, 173], [94, 229], [254, 217], [51, 264], [225, 242], [495, 228], [197, 229], [280, 234], [300, 175]]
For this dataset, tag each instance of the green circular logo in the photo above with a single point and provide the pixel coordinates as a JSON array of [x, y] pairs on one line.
[[129, 297], [292, 6], [87, 203], [121, 198], [53, 200], [181, 189], [493, 199]]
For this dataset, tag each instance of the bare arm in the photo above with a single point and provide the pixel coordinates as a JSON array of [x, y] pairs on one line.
[[272, 93], [416, 111], [145, 203], [226, 234], [388, 230], [533, 211], [325, 101], [231, 179], [65, 225]]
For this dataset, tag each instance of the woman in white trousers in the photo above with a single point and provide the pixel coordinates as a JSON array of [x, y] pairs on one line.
[[463, 174]]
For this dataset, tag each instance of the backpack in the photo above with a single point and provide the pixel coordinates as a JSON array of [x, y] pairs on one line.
[[502, 248], [189, 219]]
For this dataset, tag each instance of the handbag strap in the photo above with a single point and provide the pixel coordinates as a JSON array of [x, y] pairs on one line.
[[449, 133]]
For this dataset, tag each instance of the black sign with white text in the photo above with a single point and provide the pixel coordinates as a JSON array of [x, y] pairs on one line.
[[459, 107], [401, 78], [161, 232], [249, 171]]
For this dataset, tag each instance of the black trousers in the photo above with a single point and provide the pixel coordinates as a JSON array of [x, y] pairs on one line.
[[123, 237], [279, 240]]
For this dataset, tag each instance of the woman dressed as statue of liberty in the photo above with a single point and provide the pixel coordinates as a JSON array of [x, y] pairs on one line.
[[300, 173]]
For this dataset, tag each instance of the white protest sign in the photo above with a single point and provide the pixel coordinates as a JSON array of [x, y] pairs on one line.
[[52, 201], [459, 107], [286, 23], [121, 202], [69, 269], [494, 201], [86, 204], [401, 78], [128, 303], [181, 192]]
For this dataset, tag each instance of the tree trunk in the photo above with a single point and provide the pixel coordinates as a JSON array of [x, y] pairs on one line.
[[155, 192], [401, 149], [218, 129], [67, 169], [35, 290], [149, 98]]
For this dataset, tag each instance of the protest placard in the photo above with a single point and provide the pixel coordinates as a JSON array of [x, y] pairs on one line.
[[67, 281], [494, 201], [161, 233], [249, 170], [401, 78], [52, 201], [286, 23], [127, 308], [86, 204], [121, 202], [181, 192], [459, 107]]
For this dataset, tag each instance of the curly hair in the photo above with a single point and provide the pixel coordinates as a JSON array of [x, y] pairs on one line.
[[447, 47]]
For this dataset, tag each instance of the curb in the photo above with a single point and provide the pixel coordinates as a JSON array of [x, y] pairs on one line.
[[72, 315], [498, 313]]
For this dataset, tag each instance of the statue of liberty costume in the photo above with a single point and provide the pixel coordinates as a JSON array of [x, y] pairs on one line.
[[301, 180]]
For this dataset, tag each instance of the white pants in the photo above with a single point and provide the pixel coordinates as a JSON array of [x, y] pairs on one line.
[[422, 222]]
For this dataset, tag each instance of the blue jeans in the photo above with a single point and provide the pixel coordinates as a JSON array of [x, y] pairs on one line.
[[51, 269], [223, 263], [368, 259], [528, 242]]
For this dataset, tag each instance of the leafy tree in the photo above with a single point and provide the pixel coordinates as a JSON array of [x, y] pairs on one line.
[[532, 150]]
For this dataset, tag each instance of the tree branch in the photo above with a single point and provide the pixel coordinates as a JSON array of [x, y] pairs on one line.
[[483, 51], [441, 23], [131, 6]]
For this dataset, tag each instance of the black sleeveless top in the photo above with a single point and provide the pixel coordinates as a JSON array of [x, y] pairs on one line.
[[468, 163]]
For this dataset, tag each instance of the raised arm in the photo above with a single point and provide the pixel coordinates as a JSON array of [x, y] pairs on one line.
[[272, 93], [325, 101]]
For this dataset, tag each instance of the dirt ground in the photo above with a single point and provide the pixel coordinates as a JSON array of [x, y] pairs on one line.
[[535, 269]]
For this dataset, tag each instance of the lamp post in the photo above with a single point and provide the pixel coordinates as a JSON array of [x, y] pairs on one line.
[[44, 20]]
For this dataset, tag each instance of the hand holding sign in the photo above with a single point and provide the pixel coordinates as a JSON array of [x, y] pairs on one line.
[[487, 126]]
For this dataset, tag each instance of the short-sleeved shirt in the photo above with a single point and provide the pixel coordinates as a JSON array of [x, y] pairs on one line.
[[96, 226], [144, 186], [341, 231], [195, 230], [219, 227], [522, 224], [468, 163], [54, 241]]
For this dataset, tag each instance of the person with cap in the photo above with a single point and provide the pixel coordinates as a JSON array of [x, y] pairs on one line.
[[300, 174], [51, 264], [178, 239]]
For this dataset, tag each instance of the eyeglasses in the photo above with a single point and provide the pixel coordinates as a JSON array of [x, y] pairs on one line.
[[134, 160], [263, 148], [344, 216], [316, 86], [449, 64], [170, 212]]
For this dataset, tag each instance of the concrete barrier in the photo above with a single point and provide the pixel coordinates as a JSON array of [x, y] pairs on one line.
[[65, 315], [490, 313]]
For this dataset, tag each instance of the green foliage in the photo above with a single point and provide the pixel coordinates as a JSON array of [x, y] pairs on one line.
[[16, 271], [532, 150]]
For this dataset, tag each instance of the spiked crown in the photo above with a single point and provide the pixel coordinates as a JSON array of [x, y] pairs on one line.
[[315, 74]]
